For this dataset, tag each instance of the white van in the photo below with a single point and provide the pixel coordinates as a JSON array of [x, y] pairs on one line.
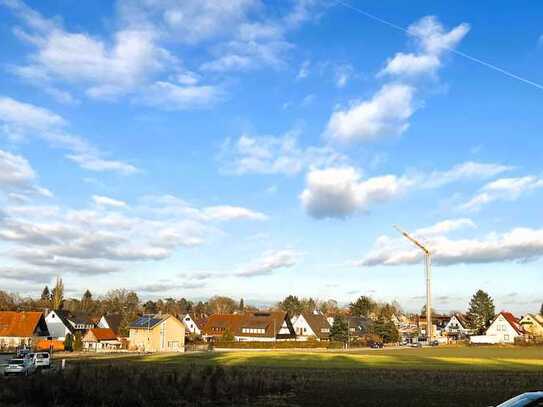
[[42, 360]]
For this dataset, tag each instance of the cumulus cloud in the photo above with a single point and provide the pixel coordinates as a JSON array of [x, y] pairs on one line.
[[101, 238], [19, 120], [338, 192], [508, 189], [385, 114], [519, 244], [433, 41], [388, 111], [269, 262], [274, 155]]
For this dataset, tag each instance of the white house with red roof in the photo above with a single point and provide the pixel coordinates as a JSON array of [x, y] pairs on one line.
[[504, 329]]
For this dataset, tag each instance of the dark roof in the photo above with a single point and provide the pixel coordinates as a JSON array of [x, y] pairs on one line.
[[463, 320], [317, 322], [147, 321], [199, 319], [77, 318], [113, 321]]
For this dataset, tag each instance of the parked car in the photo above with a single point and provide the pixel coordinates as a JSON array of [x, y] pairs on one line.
[[42, 360], [23, 353], [435, 342], [376, 345], [525, 400], [20, 366], [416, 345]]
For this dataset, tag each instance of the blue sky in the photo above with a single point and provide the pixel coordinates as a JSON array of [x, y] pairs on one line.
[[261, 148]]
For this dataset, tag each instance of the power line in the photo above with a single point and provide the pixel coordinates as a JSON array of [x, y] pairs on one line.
[[454, 51]]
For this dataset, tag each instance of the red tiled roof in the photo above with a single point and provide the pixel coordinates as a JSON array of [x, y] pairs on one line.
[[271, 322], [103, 334], [19, 324], [513, 321]]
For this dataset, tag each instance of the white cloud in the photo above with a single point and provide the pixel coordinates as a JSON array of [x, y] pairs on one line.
[[274, 155], [385, 114], [101, 239], [509, 189], [304, 71], [170, 96], [388, 112], [269, 262], [342, 74], [469, 170], [411, 64], [19, 120], [107, 201], [519, 244], [225, 212], [445, 227], [338, 192], [432, 40], [104, 69], [186, 21], [17, 174]]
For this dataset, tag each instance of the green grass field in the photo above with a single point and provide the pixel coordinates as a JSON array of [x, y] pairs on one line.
[[458, 357]]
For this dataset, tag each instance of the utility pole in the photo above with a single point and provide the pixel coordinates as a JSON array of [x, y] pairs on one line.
[[428, 272]]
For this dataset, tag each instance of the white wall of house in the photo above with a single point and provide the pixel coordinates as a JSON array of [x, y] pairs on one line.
[[454, 326], [56, 327], [190, 325], [302, 328], [484, 339], [503, 330]]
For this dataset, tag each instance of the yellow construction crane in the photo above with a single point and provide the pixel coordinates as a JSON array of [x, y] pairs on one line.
[[428, 270]]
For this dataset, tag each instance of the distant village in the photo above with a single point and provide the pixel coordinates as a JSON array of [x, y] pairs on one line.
[[119, 321]]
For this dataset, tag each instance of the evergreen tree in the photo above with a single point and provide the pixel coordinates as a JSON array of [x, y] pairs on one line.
[[386, 330], [541, 310], [45, 298], [241, 305], [291, 305], [340, 330], [481, 311], [78, 342], [69, 343], [362, 307], [45, 294], [86, 302], [57, 295]]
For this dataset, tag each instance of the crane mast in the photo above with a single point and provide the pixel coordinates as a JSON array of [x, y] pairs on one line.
[[428, 274]]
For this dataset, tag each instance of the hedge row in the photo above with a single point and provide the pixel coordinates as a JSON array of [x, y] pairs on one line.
[[284, 345]]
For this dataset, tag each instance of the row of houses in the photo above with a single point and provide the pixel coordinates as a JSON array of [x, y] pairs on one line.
[[166, 333]]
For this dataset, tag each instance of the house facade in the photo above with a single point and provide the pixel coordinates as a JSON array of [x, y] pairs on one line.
[[100, 339], [505, 328], [250, 326], [194, 324], [111, 321], [157, 333], [311, 325], [21, 329], [457, 327], [58, 325], [61, 323], [532, 325]]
